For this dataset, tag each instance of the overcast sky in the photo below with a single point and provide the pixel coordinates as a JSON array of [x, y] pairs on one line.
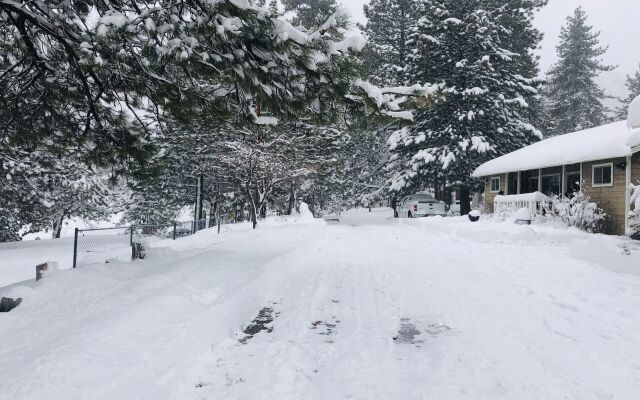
[[617, 20]]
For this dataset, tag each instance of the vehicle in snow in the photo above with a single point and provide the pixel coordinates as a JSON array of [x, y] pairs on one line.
[[420, 205]]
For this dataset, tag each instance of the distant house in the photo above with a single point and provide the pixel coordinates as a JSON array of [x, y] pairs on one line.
[[601, 161]]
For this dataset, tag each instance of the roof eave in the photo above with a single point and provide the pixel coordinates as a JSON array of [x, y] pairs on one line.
[[632, 150]]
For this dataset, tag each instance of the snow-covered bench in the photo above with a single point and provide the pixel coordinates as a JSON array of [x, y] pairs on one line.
[[531, 201]]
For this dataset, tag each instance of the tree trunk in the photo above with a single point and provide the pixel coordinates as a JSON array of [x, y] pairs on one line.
[[394, 205], [465, 203], [263, 210], [57, 225], [292, 199], [199, 208], [212, 214], [254, 219]]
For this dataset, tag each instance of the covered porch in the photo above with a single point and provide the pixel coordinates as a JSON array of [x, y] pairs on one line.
[[555, 181], [533, 188]]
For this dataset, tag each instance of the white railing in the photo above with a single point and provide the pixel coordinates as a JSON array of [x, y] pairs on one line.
[[531, 201]]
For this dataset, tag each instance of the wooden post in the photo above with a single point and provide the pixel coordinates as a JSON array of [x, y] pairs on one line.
[[519, 181], [40, 270], [45, 267], [563, 181], [539, 179], [75, 247]]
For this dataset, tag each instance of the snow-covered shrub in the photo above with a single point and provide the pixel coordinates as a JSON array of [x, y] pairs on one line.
[[578, 211], [634, 214]]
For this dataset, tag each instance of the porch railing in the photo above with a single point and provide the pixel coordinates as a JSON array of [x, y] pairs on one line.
[[534, 202]]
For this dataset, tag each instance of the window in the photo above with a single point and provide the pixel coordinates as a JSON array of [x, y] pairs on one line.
[[495, 184], [573, 183], [602, 175], [529, 181], [512, 183], [551, 184]]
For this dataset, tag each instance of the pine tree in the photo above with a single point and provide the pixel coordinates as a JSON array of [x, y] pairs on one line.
[[633, 87], [482, 110], [273, 7], [96, 76], [522, 39], [575, 99], [390, 24], [310, 13]]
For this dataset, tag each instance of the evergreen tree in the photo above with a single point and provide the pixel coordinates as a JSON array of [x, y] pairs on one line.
[[523, 39], [575, 99], [390, 25], [310, 13], [482, 110], [96, 76], [273, 7], [633, 87]]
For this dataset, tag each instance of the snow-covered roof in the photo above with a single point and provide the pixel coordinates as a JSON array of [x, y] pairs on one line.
[[607, 141]]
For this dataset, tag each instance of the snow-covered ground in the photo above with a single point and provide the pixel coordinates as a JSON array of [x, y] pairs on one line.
[[368, 308]]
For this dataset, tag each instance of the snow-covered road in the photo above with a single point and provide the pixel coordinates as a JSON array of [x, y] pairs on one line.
[[371, 308]]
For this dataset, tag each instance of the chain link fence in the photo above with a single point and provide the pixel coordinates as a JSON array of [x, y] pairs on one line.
[[123, 243]]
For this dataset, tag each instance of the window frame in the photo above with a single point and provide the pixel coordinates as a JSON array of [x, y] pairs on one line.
[[491, 184], [559, 175], [567, 184], [593, 175]]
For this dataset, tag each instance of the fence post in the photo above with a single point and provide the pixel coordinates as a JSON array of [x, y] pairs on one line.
[[131, 236], [174, 229], [75, 247]]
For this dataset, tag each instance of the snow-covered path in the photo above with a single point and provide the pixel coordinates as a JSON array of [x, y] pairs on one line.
[[502, 312], [496, 321]]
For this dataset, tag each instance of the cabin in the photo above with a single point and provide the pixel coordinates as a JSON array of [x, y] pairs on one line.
[[602, 162]]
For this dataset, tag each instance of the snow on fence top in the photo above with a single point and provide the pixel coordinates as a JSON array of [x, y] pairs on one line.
[[607, 141]]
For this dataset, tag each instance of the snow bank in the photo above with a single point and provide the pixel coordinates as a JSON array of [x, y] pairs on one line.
[[607, 141], [611, 253], [305, 213], [130, 330]]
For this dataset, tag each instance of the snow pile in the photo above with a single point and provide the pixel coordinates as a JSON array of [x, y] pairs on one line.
[[305, 213], [607, 141], [354, 42], [633, 118], [608, 252], [522, 214]]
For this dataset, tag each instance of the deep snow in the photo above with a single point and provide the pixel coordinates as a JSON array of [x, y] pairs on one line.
[[490, 310]]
